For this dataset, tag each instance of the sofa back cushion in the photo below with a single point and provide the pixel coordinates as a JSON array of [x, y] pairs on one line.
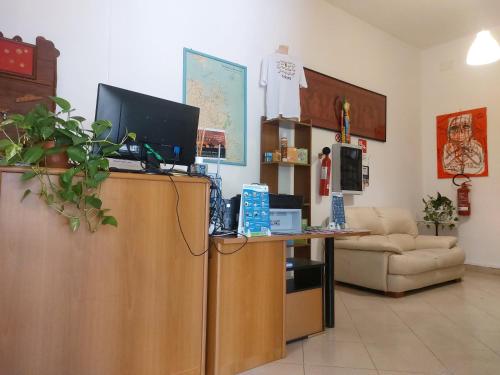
[[405, 242], [364, 218], [397, 220]]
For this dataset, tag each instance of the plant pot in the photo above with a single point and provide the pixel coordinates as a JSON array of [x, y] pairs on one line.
[[59, 160]]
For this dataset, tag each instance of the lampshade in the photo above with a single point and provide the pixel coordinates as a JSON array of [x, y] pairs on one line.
[[484, 49]]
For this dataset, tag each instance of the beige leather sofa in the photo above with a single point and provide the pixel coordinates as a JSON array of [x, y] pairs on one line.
[[394, 258]]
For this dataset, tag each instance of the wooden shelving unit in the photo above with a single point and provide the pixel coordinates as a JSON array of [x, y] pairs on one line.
[[269, 172]]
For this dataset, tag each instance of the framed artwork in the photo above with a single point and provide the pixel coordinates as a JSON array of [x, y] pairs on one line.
[[321, 103], [219, 88], [462, 145], [211, 143], [17, 58]]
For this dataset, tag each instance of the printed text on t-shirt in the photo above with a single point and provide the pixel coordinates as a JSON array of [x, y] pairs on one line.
[[286, 69]]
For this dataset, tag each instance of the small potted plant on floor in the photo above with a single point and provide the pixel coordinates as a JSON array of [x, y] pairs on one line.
[[440, 212], [34, 139]]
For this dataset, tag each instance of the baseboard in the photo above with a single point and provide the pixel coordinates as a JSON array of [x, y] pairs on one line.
[[483, 269]]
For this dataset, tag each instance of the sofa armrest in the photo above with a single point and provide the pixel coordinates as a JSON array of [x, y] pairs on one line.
[[435, 242], [368, 243]]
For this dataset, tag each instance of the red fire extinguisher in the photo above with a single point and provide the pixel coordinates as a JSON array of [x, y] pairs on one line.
[[463, 199], [324, 177]]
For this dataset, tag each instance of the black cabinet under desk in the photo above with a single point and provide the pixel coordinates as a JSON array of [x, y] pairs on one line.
[[304, 298]]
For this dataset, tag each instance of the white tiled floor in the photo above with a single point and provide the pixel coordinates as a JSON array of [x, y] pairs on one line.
[[451, 329]]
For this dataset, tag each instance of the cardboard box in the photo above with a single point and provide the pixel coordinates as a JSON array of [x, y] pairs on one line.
[[302, 155], [292, 156]]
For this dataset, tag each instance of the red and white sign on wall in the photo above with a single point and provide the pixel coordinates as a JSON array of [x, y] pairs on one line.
[[364, 144]]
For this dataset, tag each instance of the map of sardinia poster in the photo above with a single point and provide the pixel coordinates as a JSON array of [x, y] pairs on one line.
[[218, 88]]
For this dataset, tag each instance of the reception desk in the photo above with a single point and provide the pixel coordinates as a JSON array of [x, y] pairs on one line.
[[126, 300], [246, 299]]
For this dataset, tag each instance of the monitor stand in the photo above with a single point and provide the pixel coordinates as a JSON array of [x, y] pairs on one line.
[[152, 166]]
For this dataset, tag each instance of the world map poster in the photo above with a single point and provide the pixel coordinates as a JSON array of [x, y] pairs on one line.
[[218, 88]]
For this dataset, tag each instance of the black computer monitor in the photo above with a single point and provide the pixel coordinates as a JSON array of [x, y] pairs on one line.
[[167, 127]]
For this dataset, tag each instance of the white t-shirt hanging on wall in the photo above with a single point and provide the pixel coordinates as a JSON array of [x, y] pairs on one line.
[[283, 75]]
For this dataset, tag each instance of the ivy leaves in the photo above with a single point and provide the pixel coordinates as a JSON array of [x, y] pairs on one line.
[[439, 210], [75, 192], [28, 175], [77, 154], [11, 151], [100, 126], [62, 103], [33, 154], [109, 220], [78, 185]]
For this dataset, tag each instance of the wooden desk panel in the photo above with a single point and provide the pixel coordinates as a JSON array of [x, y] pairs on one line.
[[246, 299], [246, 307], [126, 300]]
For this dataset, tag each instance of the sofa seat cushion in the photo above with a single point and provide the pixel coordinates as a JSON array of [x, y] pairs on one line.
[[432, 242], [424, 260], [402, 283], [368, 243]]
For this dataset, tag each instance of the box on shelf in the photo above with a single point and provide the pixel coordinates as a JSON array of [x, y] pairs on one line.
[[292, 156], [276, 156], [268, 157], [302, 155]]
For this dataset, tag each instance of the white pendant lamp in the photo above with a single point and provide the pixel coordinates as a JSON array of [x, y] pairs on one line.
[[484, 49]]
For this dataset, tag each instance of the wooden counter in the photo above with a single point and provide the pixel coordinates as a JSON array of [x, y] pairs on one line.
[[246, 299], [229, 240], [126, 300]]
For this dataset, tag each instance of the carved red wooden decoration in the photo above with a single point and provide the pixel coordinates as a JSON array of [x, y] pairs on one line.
[[17, 58], [28, 74]]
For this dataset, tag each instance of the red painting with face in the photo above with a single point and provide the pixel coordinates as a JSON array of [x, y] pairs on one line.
[[462, 145]]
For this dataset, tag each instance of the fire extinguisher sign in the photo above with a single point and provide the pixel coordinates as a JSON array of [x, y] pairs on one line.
[[324, 172], [363, 144]]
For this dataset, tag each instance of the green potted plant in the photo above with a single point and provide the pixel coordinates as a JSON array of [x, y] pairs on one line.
[[33, 139], [439, 211]]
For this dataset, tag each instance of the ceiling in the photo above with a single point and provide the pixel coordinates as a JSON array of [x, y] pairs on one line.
[[425, 23]]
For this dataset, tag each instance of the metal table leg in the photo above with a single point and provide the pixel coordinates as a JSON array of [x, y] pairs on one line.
[[329, 283]]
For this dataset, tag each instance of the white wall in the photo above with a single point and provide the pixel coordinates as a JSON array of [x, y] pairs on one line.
[[138, 45], [369, 58], [449, 85]]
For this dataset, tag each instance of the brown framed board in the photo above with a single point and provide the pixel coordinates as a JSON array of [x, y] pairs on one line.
[[321, 104], [17, 58], [28, 74]]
